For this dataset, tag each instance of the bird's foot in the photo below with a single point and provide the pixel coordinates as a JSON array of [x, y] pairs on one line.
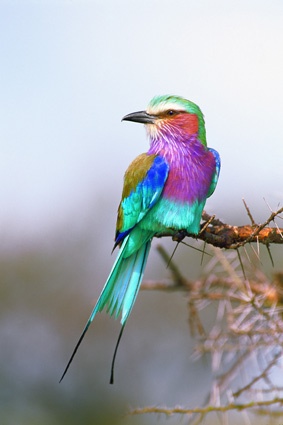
[[179, 235]]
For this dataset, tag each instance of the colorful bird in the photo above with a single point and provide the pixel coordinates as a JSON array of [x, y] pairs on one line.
[[165, 190]]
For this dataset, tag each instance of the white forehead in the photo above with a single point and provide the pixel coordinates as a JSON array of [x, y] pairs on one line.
[[160, 107]]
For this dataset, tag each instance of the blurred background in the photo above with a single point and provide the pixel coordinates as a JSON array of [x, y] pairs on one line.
[[69, 71]]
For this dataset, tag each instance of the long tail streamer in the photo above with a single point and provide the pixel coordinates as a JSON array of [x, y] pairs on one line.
[[119, 293]]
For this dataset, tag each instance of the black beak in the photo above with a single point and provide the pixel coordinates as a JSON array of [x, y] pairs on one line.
[[141, 116]]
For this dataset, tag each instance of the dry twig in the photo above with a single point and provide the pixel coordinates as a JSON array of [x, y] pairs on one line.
[[248, 331]]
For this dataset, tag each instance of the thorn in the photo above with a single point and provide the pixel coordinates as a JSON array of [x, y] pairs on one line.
[[247, 254], [206, 224], [269, 253], [249, 213], [172, 255], [197, 249], [270, 209], [278, 229], [256, 254], [258, 249], [241, 263], [203, 252], [176, 275]]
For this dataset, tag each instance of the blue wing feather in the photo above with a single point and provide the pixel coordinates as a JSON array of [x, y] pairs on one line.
[[142, 196], [217, 171]]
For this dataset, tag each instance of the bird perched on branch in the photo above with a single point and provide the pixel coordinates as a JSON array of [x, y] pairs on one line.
[[165, 190]]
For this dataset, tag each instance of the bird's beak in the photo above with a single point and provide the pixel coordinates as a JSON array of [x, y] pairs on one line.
[[141, 116]]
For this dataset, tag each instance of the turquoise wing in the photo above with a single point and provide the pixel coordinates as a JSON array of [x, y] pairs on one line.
[[217, 171], [143, 184]]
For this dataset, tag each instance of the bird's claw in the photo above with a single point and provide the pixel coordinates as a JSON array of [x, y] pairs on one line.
[[179, 236]]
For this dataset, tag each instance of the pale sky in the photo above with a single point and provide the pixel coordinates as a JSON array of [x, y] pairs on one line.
[[69, 71]]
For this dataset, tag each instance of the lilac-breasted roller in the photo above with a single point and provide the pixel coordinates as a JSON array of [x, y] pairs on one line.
[[165, 190]]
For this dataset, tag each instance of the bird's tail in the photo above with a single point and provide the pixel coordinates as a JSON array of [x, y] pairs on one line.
[[120, 290]]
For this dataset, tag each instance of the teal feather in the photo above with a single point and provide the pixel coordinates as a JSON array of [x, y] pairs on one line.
[[121, 288]]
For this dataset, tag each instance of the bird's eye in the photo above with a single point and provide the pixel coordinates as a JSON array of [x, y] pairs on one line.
[[170, 113]]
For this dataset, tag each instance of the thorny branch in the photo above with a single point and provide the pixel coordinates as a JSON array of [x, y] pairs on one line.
[[224, 235], [259, 284], [205, 410], [247, 334]]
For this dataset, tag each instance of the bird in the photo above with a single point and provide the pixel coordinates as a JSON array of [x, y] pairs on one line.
[[165, 190]]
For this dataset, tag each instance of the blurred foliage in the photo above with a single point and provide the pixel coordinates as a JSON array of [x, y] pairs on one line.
[[40, 302], [47, 291]]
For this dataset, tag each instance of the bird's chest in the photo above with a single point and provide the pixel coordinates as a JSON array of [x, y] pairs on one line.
[[188, 179], [183, 197]]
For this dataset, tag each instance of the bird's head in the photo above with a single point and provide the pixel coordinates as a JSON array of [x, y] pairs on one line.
[[169, 116]]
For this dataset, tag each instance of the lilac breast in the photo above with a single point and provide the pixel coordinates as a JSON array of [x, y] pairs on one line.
[[191, 170]]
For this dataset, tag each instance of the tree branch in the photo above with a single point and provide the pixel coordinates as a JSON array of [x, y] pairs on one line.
[[223, 235], [248, 327], [207, 409]]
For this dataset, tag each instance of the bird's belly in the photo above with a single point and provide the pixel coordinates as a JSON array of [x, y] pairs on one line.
[[171, 215]]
